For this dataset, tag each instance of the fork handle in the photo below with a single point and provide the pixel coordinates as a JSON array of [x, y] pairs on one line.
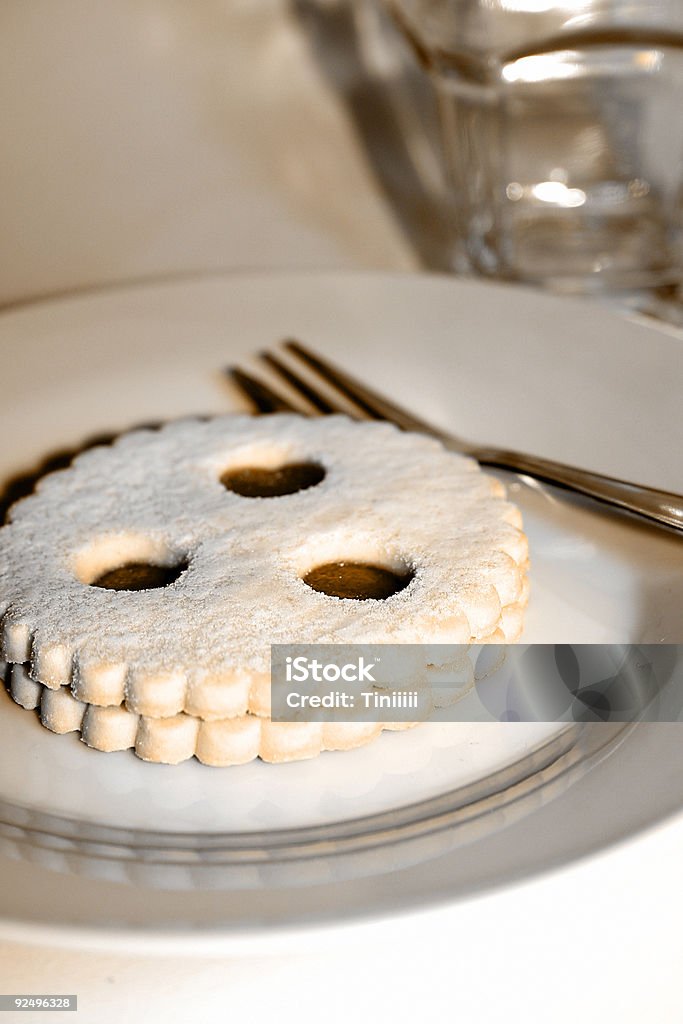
[[662, 507]]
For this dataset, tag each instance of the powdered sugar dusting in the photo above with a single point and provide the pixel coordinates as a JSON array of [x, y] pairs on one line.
[[396, 499]]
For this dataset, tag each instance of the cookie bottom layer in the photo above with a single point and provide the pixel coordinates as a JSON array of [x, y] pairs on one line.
[[219, 743]]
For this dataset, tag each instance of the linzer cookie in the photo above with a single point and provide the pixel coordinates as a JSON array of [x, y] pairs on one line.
[[153, 574]]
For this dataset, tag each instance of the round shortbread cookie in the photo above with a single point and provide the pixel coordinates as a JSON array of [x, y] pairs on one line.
[[236, 564]]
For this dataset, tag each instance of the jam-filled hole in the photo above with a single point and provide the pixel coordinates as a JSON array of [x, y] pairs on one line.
[[259, 482], [139, 576], [357, 581]]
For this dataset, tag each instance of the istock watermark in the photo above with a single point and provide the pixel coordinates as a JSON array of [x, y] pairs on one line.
[[303, 669], [476, 683]]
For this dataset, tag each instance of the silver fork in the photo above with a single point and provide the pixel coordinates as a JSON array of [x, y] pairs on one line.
[[344, 393]]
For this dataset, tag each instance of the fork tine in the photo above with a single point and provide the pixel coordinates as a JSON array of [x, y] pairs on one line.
[[297, 383], [262, 397], [370, 402]]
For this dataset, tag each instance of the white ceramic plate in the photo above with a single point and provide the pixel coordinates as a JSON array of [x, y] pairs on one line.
[[555, 377]]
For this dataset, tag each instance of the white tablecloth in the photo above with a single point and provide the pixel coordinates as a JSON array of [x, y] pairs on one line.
[[162, 137]]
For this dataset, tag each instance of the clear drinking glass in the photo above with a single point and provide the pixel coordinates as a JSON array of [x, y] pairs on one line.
[[562, 129]]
